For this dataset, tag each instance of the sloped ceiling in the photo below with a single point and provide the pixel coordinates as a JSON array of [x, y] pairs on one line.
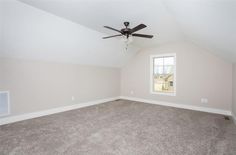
[[97, 13], [207, 23], [30, 33]]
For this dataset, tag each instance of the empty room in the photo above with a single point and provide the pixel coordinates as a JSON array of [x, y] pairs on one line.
[[117, 77]]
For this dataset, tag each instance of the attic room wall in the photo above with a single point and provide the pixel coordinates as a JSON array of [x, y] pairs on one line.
[[1, 27], [234, 90], [199, 75], [45, 60], [38, 85]]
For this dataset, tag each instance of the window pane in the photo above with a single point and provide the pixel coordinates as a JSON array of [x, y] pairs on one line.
[[158, 70], [164, 83], [168, 69], [158, 61], [169, 61], [163, 74]]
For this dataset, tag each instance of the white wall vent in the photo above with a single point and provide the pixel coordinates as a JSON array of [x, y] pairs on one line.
[[4, 103]]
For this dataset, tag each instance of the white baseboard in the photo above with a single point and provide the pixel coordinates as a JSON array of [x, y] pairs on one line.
[[12, 119], [190, 107]]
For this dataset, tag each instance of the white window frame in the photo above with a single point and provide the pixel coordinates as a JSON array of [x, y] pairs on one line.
[[8, 108], [151, 73]]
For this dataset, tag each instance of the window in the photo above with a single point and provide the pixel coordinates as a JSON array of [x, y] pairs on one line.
[[4, 103], [163, 74]]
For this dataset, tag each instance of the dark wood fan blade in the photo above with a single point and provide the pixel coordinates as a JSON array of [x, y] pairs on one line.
[[112, 36], [142, 35], [112, 29], [139, 27]]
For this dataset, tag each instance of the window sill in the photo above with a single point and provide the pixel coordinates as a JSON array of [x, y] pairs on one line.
[[4, 114], [164, 94]]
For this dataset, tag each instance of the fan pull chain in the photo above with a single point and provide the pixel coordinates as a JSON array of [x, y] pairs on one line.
[[126, 46]]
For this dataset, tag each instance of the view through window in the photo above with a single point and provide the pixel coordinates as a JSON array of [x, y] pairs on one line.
[[163, 74]]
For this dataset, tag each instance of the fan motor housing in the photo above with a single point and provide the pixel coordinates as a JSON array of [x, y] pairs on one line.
[[125, 30]]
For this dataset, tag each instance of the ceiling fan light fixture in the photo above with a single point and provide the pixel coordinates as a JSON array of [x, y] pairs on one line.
[[130, 39], [127, 40], [127, 33]]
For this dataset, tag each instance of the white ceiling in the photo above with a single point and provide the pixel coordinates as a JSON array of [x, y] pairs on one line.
[[207, 23], [97, 13], [30, 33]]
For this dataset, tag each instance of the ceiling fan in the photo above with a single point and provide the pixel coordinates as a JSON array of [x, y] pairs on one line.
[[128, 31]]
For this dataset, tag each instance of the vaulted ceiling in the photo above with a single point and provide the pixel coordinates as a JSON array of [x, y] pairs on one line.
[[97, 13], [208, 23]]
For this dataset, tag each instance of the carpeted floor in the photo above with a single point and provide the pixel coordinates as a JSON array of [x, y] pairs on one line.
[[121, 128]]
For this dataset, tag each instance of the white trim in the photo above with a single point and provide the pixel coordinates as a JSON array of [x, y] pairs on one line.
[[151, 73], [8, 102], [182, 106], [11, 119]]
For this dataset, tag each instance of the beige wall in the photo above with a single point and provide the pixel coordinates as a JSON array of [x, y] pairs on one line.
[[199, 75], [36, 85], [234, 90]]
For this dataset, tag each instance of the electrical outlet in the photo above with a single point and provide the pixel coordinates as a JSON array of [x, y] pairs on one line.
[[204, 100], [72, 98]]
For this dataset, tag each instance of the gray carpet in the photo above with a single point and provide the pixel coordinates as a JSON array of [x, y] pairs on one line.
[[121, 128]]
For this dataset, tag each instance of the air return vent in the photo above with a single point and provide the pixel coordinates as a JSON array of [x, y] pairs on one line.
[[4, 103]]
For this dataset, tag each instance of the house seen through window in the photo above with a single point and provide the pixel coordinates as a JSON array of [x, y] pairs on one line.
[[163, 74]]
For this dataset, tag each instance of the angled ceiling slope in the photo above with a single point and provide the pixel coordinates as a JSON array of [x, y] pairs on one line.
[[31, 33], [207, 23], [97, 13]]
